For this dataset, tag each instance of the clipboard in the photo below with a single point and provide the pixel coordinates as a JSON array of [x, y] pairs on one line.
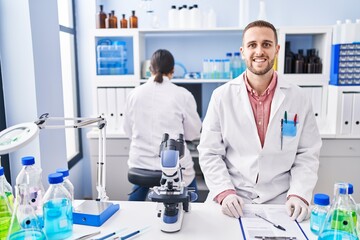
[[253, 227]]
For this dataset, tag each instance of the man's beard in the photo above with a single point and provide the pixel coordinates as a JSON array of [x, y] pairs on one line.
[[261, 72]]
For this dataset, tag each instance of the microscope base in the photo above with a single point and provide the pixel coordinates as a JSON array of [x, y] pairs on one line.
[[170, 225]]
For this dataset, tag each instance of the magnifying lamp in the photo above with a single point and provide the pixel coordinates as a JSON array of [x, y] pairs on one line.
[[93, 213]]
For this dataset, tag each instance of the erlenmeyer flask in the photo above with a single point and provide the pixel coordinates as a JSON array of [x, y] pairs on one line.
[[6, 207], [24, 216], [339, 222]]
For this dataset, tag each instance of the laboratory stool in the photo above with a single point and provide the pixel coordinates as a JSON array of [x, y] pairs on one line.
[[144, 177]]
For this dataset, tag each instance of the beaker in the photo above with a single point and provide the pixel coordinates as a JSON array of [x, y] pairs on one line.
[[5, 209], [25, 224], [339, 222]]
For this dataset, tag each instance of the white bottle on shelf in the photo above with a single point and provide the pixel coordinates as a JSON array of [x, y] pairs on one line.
[[211, 19], [244, 9], [173, 17], [347, 32], [184, 17], [262, 10], [195, 17], [357, 34], [337, 33]]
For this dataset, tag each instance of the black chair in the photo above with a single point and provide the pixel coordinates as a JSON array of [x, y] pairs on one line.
[[144, 177]]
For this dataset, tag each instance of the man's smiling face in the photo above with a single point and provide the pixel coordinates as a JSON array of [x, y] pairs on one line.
[[259, 49]]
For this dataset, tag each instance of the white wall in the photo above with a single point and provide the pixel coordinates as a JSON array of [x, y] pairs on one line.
[[30, 57]]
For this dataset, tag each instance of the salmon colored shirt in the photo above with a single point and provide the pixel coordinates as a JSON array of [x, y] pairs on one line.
[[261, 106]]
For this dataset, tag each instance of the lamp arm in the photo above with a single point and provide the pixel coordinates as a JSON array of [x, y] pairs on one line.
[[101, 170], [100, 122]]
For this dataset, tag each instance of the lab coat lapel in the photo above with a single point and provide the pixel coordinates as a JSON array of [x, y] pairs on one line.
[[278, 99], [248, 112]]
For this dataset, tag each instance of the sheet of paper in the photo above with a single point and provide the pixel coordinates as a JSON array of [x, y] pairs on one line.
[[254, 226]]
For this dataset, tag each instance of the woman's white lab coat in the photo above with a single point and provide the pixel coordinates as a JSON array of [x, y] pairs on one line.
[[153, 109], [230, 152]]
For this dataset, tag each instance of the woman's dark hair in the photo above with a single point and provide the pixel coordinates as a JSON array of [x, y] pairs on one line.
[[162, 62]]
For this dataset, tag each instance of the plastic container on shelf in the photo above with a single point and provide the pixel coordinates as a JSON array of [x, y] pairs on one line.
[[30, 176], [58, 219], [195, 17], [262, 11], [173, 17], [339, 221], [319, 212], [211, 20], [67, 183], [112, 58], [184, 20]]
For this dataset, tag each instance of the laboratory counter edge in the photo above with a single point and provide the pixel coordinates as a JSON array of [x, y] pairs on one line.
[[203, 221]]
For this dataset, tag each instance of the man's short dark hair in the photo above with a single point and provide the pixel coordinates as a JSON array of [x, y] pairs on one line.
[[260, 23]]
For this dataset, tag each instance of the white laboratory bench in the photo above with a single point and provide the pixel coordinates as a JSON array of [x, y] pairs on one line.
[[203, 221]]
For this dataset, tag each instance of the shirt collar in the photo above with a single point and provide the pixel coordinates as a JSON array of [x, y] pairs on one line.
[[268, 90]]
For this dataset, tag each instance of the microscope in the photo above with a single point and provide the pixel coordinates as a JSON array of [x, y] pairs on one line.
[[172, 195]]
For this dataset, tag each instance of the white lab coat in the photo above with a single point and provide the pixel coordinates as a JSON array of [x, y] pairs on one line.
[[230, 152], [153, 109]]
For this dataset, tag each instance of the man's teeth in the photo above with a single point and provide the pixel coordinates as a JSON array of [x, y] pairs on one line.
[[259, 60]]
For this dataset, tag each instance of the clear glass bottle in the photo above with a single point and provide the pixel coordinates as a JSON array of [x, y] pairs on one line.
[[100, 18], [31, 177], [319, 211], [67, 183], [123, 22], [339, 223], [58, 220], [133, 20]]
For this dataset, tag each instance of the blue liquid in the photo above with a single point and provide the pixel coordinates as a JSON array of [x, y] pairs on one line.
[[316, 221], [337, 235], [28, 234], [58, 220]]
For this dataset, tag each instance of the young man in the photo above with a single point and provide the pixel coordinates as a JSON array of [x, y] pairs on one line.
[[260, 142]]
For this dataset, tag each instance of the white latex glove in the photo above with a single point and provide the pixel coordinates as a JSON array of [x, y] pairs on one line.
[[232, 206], [297, 209]]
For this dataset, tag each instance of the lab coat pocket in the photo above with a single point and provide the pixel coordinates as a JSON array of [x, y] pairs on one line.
[[289, 129]]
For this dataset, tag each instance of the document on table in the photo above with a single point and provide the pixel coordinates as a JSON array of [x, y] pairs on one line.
[[255, 228]]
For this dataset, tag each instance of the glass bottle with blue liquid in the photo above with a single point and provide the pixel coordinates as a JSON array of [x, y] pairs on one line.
[[57, 208], [339, 222], [318, 213]]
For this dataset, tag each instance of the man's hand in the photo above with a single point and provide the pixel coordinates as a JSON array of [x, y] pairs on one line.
[[297, 209], [232, 206]]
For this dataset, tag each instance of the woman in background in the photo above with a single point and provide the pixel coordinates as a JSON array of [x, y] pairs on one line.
[[154, 108]]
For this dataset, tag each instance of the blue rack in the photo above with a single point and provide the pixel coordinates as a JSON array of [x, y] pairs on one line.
[[345, 64]]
